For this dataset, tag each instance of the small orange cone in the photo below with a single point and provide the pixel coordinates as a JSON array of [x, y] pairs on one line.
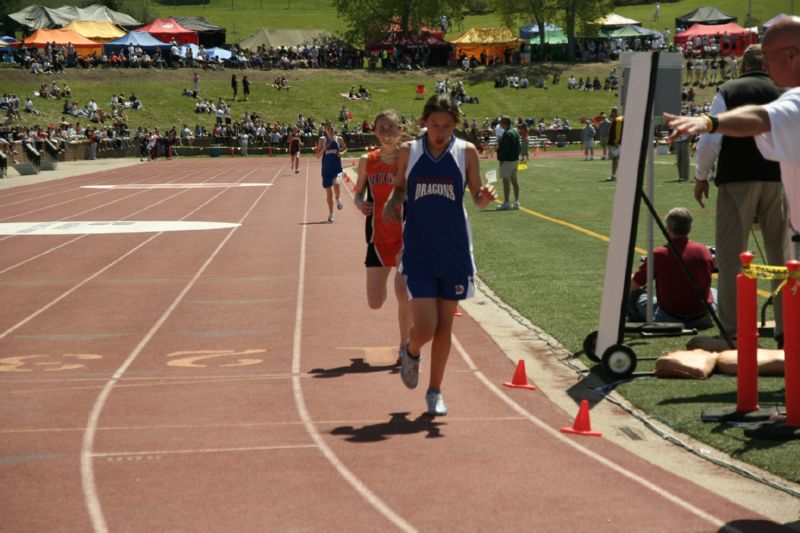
[[520, 379], [582, 425]]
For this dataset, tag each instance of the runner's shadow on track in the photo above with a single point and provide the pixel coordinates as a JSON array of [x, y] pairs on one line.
[[754, 526], [399, 424], [357, 366]]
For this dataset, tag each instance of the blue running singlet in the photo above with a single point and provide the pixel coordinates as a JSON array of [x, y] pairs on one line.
[[437, 241]]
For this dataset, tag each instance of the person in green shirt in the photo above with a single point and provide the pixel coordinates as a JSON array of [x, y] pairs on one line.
[[508, 150]]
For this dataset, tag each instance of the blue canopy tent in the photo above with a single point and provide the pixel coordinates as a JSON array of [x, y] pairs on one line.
[[143, 40], [190, 46], [531, 31], [220, 53]]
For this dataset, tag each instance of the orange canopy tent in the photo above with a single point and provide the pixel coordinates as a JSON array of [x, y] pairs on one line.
[[494, 41], [82, 45]]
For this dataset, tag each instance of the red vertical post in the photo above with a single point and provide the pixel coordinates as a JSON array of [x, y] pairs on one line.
[[791, 345], [747, 340]]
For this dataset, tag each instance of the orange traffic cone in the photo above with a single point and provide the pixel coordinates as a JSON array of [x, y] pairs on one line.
[[582, 425], [520, 379], [458, 312]]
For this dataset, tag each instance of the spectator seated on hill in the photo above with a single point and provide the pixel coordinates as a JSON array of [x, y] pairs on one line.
[[572, 83], [134, 102], [158, 60], [523, 83], [500, 81], [203, 106], [363, 93], [281, 83], [29, 107]]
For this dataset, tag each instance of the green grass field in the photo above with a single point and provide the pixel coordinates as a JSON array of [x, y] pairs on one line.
[[550, 272]]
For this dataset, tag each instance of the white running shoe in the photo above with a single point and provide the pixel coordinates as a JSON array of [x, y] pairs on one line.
[[516, 205], [339, 204], [435, 401], [503, 207], [330, 217], [409, 368]]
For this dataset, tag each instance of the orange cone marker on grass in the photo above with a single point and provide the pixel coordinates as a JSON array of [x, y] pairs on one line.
[[520, 379], [582, 425]]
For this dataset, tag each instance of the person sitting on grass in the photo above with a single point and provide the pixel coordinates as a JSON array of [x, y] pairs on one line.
[[676, 299]]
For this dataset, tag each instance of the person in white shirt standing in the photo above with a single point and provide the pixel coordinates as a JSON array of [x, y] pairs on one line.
[[776, 125]]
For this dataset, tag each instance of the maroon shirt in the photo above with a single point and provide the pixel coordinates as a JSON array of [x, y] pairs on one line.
[[674, 292]]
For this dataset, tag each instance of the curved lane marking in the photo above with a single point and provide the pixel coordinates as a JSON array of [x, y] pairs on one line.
[[302, 408], [677, 500], [91, 497]]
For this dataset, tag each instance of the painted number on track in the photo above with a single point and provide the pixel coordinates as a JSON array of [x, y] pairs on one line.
[[215, 358], [46, 362]]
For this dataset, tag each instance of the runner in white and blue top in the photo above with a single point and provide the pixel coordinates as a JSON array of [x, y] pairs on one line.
[[436, 235], [433, 174], [330, 149]]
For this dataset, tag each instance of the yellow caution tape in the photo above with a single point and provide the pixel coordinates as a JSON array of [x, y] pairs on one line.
[[769, 272]]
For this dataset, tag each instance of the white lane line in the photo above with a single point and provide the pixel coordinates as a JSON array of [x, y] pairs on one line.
[[107, 267], [73, 199], [90, 495], [181, 185], [206, 450], [299, 398], [677, 500], [61, 187]]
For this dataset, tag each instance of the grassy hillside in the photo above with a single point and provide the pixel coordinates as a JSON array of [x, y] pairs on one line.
[[315, 93], [242, 18]]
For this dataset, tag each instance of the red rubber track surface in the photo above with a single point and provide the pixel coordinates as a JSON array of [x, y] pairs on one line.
[[235, 380]]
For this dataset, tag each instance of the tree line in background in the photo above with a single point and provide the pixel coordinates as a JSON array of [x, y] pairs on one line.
[[366, 19]]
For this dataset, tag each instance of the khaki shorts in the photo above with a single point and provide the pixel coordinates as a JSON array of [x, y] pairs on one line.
[[508, 170]]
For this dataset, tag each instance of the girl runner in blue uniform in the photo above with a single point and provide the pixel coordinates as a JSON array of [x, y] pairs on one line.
[[330, 148], [433, 173]]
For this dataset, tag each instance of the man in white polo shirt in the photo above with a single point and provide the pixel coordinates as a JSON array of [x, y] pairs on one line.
[[775, 126]]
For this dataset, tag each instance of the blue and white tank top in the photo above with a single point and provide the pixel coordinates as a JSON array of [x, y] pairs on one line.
[[437, 240], [331, 162]]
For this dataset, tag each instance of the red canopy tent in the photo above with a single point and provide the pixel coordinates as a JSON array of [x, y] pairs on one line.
[[744, 37], [168, 29]]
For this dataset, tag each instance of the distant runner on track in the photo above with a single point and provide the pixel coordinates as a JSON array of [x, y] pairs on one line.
[[330, 149]]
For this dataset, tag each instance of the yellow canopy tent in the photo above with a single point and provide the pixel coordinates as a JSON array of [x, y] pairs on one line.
[[494, 41], [98, 31]]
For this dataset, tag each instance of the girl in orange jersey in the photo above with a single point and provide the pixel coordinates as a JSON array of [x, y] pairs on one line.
[[376, 173]]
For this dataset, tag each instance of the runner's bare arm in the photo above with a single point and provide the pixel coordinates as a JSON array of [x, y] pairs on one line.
[[481, 194], [362, 204]]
